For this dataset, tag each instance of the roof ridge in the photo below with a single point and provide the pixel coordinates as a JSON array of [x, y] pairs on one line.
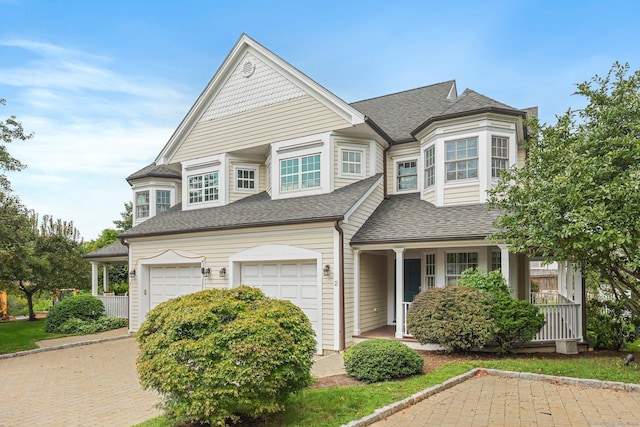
[[403, 91], [485, 96]]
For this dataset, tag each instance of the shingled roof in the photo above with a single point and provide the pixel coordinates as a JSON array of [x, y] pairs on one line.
[[256, 210], [173, 170], [113, 250], [401, 114], [407, 218]]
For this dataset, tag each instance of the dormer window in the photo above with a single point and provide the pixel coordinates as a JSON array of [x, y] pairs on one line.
[[203, 188], [163, 200], [407, 175], [300, 172], [142, 204], [461, 159]]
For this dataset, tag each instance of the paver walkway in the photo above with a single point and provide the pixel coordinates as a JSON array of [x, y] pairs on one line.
[[490, 400], [91, 385]]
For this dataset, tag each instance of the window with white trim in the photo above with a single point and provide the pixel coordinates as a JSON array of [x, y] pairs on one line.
[[246, 179], [163, 200], [300, 172], [457, 262], [407, 175], [351, 161], [430, 166], [496, 260], [461, 159], [430, 271], [499, 155], [203, 188], [142, 204]]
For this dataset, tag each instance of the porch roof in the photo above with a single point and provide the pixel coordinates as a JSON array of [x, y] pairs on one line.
[[256, 211], [407, 218], [114, 250]]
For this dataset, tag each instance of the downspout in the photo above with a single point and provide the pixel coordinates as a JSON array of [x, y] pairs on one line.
[[384, 171], [342, 344]]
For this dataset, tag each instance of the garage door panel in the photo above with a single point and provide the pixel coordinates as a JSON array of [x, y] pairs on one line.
[[170, 282], [293, 281]]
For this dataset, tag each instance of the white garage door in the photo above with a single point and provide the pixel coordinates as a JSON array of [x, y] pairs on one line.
[[171, 282], [294, 281]]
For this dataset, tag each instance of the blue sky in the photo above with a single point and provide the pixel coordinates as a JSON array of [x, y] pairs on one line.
[[103, 84]]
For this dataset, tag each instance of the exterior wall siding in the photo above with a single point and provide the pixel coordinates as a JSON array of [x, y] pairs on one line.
[[285, 120], [373, 291], [217, 247], [462, 195]]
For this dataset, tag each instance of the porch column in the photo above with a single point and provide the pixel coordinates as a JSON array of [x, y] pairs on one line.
[[504, 266], [577, 295], [105, 278], [562, 278], [399, 292], [356, 292], [94, 278]]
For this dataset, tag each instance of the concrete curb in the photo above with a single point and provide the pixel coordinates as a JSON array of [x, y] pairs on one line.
[[62, 346], [386, 411]]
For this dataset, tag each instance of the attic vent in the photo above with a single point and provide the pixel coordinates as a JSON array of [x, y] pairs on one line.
[[248, 68]]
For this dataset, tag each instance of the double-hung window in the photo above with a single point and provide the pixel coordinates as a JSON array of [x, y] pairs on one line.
[[430, 166], [407, 175], [203, 188], [246, 179], [300, 172], [142, 204], [461, 159], [163, 200], [458, 262], [352, 162], [499, 155]]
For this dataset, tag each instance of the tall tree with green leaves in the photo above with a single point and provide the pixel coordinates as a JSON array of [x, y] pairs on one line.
[[127, 218], [578, 196], [10, 130]]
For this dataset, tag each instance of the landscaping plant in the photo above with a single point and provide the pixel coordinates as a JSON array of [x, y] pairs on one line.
[[609, 324], [220, 354], [83, 307], [456, 317], [381, 360], [515, 321]]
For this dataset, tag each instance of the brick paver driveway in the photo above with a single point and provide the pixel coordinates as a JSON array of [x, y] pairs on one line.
[[91, 385]]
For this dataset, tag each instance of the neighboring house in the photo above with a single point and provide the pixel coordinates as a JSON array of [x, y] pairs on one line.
[[347, 210]]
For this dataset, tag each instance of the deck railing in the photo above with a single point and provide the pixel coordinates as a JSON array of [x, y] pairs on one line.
[[560, 313], [115, 305]]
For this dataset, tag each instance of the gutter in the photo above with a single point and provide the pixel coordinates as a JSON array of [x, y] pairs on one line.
[[342, 344], [390, 142]]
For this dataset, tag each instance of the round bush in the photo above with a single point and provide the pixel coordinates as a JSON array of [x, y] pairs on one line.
[[456, 317], [221, 353], [83, 307], [381, 360]]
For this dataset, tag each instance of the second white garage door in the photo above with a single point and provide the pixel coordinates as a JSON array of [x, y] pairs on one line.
[[293, 281], [170, 282]]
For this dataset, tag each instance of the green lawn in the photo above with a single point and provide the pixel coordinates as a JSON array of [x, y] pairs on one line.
[[20, 335], [338, 405]]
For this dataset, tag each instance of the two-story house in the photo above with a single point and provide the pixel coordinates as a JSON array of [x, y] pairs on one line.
[[347, 210]]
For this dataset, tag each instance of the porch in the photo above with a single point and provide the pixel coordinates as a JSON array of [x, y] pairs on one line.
[[409, 271], [115, 253]]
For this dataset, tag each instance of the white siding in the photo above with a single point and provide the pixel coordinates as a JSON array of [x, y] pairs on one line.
[[402, 151], [373, 291], [285, 120]]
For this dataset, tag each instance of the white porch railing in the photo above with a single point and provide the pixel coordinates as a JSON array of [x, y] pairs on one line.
[[560, 313], [115, 305], [405, 310]]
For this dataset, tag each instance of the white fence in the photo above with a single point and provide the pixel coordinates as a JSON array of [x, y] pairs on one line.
[[115, 305]]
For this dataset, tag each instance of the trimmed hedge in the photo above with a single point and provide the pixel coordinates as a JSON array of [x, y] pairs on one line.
[[83, 307], [221, 353], [380, 360], [75, 326]]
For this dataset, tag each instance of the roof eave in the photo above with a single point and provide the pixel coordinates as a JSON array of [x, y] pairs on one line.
[[484, 110], [418, 239]]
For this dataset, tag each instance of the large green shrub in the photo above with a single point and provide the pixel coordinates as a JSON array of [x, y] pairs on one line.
[[218, 354], [456, 317], [75, 326], [515, 321], [83, 307], [609, 324], [381, 360]]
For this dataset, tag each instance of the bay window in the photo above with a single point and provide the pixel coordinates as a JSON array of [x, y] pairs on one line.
[[499, 155], [461, 159]]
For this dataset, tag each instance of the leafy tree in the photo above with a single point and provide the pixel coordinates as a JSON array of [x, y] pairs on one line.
[[127, 218], [578, 195], [38, 256], [10, 130]]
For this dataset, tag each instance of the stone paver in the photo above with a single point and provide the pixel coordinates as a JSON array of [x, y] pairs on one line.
[[490, 400], [93, 384]]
